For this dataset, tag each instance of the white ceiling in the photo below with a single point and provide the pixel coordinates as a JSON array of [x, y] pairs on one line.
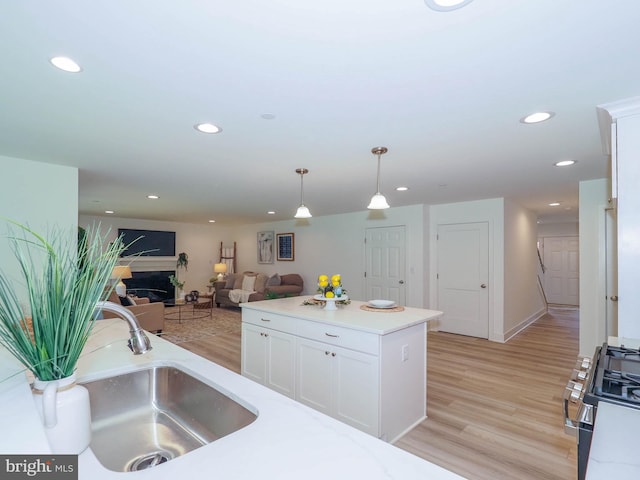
[[443, 91]]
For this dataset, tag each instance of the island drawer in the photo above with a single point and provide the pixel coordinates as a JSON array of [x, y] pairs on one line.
[[343, 337], [273, 321]]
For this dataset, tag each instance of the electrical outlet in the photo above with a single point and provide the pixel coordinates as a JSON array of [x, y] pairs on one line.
[[405, 353]]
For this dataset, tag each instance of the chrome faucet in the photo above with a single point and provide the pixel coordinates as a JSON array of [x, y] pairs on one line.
[[139, 342]]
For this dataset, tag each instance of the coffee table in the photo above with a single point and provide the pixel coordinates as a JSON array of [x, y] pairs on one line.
[[200, 308]]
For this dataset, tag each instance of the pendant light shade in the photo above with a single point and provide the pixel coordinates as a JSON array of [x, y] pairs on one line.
[[378, 202], [303, 211]]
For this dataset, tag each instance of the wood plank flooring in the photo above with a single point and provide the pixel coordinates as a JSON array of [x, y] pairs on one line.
[[495, 410]]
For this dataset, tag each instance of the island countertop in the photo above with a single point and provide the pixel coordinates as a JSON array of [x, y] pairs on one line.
[[287, 441], [351, 316]]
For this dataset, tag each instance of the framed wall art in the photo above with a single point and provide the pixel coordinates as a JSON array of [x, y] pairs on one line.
[[265, 247], [285, 245]]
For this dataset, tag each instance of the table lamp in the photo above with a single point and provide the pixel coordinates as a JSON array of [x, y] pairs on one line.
[[119, 273], [220, 269]]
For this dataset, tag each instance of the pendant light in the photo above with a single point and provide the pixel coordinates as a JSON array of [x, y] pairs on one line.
[[302, 212], [378, 202]]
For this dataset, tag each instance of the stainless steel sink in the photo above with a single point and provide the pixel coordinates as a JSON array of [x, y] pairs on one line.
[[148, 417]]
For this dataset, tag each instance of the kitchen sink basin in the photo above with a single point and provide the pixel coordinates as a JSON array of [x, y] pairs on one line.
[[148, 417]]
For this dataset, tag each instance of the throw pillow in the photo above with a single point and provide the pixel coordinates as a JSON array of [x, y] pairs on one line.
[[261, 281], [125, 301], [248, 283], [274, 280], [231, 280]]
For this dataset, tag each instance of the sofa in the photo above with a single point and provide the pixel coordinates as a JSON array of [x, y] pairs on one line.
[[150, 315], [252, 287]]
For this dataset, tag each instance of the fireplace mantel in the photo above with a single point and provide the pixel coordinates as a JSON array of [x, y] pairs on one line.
[[149, 264]]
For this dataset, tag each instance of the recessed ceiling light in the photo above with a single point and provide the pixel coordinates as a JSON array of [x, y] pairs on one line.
[[402, 189], [66, 64], [271, 212], [268, 116], [554, 204], [212, 221], [446, 5], [153, 197], [565, 163], [207, 128], [108, 211], [537, 117]]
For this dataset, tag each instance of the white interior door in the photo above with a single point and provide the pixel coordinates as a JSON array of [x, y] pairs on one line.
[[385, 264], [561, 276], [463, 278]]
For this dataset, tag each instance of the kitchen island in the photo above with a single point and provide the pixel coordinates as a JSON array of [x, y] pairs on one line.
[[288, 440], [363, 366]]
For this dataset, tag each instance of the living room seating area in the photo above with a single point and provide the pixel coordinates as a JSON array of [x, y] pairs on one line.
[[251, 287], [150, 315]]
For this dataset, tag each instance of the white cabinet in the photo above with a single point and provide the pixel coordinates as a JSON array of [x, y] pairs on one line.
[[366, 369], [340, 382], [268, 357]]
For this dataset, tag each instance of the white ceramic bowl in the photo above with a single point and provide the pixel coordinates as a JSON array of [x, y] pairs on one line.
[[382, 303]]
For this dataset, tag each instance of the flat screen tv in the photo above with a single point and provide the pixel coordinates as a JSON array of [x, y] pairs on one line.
[[148, 243]]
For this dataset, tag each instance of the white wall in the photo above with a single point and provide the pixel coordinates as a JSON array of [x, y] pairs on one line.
[[523, 300], [558, 229], [593, 200], [40, 195], [335, 244], [492, 212]]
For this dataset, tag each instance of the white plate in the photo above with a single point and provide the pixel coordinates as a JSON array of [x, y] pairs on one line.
[[382, 303]]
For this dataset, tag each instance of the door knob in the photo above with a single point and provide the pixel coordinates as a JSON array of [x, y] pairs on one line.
[[614, 298], [483, 286], [401, 282]]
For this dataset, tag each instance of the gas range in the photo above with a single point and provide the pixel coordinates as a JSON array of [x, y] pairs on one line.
[[612, 375], [617, 377]]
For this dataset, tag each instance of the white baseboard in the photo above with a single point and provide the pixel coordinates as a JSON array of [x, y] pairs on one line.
[[523, 325]]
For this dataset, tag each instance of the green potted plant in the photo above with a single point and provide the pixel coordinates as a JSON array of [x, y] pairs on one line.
[[183, 261], [178, 284], [63, 285]]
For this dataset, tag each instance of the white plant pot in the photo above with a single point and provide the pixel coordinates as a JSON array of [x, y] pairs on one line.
[[65, 412]]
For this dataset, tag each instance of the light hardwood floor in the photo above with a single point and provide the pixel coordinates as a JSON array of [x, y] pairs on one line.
[[494, 410]]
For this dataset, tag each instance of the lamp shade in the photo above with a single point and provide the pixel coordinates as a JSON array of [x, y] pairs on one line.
[[118, 273], [220, 268], [378, 202], [302, 212]]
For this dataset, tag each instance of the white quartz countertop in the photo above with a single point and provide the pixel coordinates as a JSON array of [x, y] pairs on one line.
[[352, 316], [287, 441], [614, 448]]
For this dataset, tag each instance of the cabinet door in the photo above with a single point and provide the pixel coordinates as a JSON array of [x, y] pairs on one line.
[[254, 353], [340, 382], [280, 375], [356, 389], [314, 375]]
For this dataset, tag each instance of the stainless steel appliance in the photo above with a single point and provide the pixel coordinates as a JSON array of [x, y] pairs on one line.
[[613, 375]]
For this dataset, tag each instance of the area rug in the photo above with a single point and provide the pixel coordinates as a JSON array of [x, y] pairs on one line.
[[223, 320]]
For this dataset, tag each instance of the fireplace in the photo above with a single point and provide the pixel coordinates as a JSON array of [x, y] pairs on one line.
[[154, 285]]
